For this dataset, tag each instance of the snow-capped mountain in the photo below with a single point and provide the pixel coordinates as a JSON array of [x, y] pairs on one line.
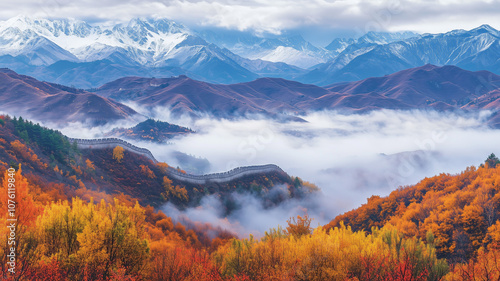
[[73, 52], [381, 38], [338, 45], [476, 49], [267, 68], [146, 43], [18, 39], [291, 49]]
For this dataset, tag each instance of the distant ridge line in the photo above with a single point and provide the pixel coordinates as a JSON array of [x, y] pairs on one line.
[[174, 173]]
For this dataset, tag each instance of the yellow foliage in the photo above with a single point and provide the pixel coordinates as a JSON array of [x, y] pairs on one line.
[[95, 237], [118, 153], [174, 191], [337, 254]]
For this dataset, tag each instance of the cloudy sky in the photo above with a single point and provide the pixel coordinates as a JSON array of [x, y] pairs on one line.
[[314, 18]]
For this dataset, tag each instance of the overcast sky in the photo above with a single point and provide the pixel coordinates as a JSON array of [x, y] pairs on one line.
[[314, 18]]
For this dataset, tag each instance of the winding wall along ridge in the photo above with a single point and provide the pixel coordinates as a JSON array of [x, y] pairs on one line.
[[174, 173], [111, 143]]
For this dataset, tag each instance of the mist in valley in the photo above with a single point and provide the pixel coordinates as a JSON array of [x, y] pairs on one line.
[[350, 157]]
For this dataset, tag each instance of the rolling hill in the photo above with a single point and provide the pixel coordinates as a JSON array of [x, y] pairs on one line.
[[150, 130], [425, 87], [44, 101]]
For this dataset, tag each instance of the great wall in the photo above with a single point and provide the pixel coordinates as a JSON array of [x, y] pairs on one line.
[[112, 143], [174, 173]]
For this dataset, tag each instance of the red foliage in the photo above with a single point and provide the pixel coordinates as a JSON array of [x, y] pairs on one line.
[[48, 271]]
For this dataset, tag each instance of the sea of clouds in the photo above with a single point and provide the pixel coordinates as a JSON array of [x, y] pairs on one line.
[[350, 157]]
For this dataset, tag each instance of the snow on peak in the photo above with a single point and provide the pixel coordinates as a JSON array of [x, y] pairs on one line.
[[144, 40], [382, 38], [157, 26], [48, 28], [485, 28], [289, 55]]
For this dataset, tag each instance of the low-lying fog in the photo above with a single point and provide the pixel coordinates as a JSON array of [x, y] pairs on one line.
[[349, 156]]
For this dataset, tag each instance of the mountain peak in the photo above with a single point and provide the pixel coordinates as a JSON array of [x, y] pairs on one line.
[[485, 28], [48, 28], [159, 25], [383, 37], [22, 22]]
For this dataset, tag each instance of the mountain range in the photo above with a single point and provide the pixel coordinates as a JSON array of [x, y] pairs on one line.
[[440, 88], [477, 49], [149, 47], [75, 53], [26, 96], [429, 86]]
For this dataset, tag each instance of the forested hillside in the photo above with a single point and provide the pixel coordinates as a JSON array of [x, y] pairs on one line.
[[58, 166], [462, 211], [83, 215]]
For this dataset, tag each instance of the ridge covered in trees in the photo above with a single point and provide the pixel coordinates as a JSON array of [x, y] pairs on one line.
[[151, 130], [462, 211]]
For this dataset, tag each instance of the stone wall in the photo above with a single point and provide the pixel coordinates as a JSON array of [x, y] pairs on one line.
[[174, 173], [112, 143], [225, 176]]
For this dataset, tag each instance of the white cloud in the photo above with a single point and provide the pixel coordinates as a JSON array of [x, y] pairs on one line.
[[350, 157], [274, 16]]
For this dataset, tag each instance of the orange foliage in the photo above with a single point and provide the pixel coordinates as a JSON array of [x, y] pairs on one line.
[[163, 166], [90, 165], [174, 192], [26, 209], [485, 267], [300, 226], [17, 208], [27, 153], [146, 171], [77, 170], [462, 211]]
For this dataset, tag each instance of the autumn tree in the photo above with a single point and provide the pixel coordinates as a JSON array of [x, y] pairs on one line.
[[118, 153], [174, 192], [486, 266], [300, 226], [147, 171], [17, 205], [474, 225], [163, 166], [337, 254], [89, 165], [460, 210], [113, 235]]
